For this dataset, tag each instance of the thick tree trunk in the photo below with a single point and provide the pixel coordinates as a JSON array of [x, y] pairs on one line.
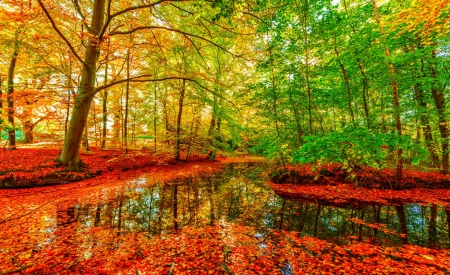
[[180, 114], [398, 125], [70, 152], [10, 92]]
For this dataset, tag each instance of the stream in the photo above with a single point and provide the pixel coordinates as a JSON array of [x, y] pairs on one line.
[[238, 194]]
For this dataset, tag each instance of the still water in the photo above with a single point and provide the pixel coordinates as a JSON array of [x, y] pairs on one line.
[[239, 194]]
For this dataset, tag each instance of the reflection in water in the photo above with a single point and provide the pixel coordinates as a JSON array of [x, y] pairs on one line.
[[239, 195]]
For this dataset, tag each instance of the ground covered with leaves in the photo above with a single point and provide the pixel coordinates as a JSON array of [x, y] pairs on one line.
[[27, 167]]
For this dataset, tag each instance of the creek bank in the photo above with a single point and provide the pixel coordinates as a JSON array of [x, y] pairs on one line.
[[331, 174]]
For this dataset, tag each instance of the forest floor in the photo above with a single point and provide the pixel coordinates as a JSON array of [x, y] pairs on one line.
[[36, 167], [33, 241]]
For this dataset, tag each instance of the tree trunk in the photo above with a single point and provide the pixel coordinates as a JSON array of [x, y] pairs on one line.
[[1, 94], [180, 113], [70, 152], [28, 128], [155, 115], [439, 101], [127, 95], [398, 125], [175, 206], [211, 130], [10, 92], [316, 220], [402, 220], [425, 122], [432, 230], [104, 110], [347, 82]]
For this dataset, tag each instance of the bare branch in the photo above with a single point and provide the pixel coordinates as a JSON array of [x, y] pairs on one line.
[[172, 30], [145, 78], [78, 9], [72, 49], [143, 7]]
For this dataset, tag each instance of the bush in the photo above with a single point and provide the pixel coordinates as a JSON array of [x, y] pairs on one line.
[[354, 146]]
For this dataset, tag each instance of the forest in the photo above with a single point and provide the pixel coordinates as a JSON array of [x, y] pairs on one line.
[[224, 137]]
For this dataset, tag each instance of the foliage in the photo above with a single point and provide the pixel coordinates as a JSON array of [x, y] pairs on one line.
[[353, 146]]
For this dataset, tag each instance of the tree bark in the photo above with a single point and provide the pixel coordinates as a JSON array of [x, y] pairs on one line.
[[439, 101], [127, 95], [28, 128], [425, 122], [70, 152], [155, 115], [104, 110], [10, 92], [347, 82], [398, 125], [432, 230], [402, 220], [180, 113]]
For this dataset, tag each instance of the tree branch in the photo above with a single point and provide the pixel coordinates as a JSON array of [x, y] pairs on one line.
[[144, 78], [61, 34], [172, 30], [78, 9], [18, 270], [143, 7]]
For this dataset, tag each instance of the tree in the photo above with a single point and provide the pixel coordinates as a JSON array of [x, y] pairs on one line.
[[104, 23]]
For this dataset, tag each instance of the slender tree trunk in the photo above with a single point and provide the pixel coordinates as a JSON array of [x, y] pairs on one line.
[[10, 99], [299, 132], [365, 80], [155, 116], [365, 91], [439, 101], [425, 122], [316, 221], [211, 130], [275, 107], [347, 82], [166, 118], [104, 110], [398, 125], [1, 94], [70, 152], [377, 216], [175, 206], [180, 114], [447, 213], [127, 94], [360, 227]]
